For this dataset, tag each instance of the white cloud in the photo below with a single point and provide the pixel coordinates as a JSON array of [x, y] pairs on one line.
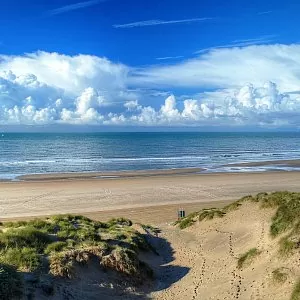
[[49, 88], [74, 6], [159, 22], [229, 68]]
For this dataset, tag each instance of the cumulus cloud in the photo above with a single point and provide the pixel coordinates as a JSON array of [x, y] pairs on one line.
[[49, 88]]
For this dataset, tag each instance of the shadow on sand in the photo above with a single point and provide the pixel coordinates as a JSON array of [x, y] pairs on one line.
[[165, 275]]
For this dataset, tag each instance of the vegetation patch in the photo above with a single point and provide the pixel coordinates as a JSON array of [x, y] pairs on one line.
[[60, 244], [296, 291], [280, 275], [247, 258], [24, 259]]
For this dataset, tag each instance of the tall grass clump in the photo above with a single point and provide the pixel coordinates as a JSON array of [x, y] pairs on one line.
[[247, 258], [24, 237], [24, 259]]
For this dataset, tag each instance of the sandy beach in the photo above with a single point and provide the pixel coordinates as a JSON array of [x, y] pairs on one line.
[[199, 262], [134, 196]]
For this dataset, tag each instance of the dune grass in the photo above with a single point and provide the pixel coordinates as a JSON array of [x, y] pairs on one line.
[[280, 275], [296, 291], [24, 259], [286, 217], [60, 243], [247, 258]]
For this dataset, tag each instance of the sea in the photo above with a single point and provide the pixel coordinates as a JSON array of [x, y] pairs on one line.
[[39, 153]]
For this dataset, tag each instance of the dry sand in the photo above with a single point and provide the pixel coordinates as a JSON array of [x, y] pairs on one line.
[[98, 196]]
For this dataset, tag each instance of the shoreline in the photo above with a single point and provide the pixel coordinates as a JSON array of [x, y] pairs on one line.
[[281, 162], [271, 165], [108, 174]]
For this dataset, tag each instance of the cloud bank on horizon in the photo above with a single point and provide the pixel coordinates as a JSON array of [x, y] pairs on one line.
[[242, 86]]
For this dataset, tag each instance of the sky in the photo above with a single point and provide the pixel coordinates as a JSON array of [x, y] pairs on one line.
[[150, 64]]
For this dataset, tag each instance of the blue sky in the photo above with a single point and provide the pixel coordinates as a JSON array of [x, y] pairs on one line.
[[28, 26], [150, 63]]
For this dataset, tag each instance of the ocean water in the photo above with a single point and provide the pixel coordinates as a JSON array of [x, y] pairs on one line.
[[34, 153]]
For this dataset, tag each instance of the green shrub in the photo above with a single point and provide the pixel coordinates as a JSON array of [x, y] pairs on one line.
[[24, 259], [11, 285]]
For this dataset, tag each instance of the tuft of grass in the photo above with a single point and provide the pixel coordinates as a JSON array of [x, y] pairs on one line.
[[122, 260], [55, 247], [24, 237], [211, 213], [24, 259], [280, 275], [248, 198], [232, 206], [61, 266], [186, 222], [246, 258], [260, 196], [286, 245], [11, 284], [287, 214], [296, 291]]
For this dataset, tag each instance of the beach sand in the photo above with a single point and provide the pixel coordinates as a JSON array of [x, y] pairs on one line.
[[199, 262], [150, 198]]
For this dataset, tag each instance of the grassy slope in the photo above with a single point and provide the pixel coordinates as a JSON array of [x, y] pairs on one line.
[[59, 244], [285, 223]]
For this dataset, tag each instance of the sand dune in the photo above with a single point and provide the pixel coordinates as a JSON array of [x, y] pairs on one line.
[[210, 250]]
